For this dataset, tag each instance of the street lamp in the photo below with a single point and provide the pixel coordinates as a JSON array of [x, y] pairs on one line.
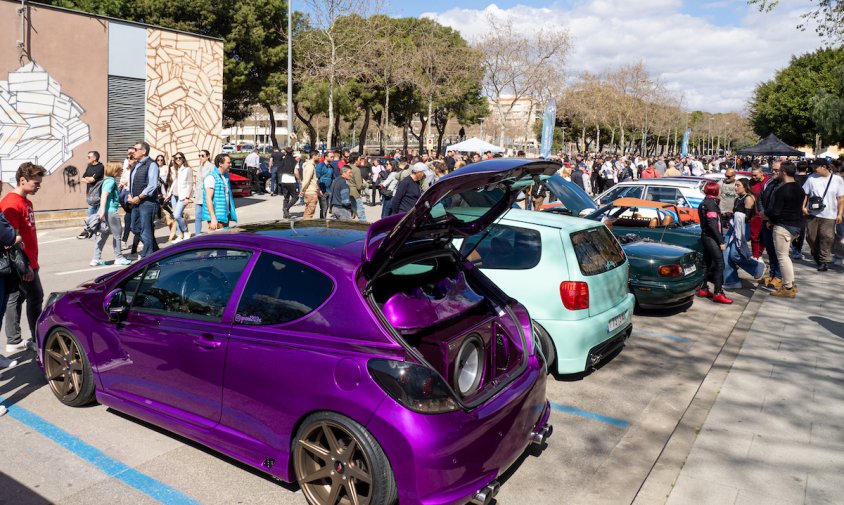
[[481, 121]]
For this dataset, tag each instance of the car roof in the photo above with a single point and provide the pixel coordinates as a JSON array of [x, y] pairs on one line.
[[668, 181], [549, 219]]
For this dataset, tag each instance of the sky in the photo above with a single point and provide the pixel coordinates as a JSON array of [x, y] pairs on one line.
[[712, 53]]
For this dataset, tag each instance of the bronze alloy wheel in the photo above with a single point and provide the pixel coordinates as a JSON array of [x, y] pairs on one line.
[[67, 370], [332, 466]]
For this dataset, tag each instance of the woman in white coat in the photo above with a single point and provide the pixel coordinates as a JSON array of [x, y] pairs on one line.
[[181, 193]]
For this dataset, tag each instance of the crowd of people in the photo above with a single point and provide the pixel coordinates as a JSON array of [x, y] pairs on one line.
[[773, 210]]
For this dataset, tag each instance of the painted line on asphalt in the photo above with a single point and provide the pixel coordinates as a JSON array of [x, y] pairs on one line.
[[662, 335], [92, 269], [56, 240], [151, 487], [590, 415]]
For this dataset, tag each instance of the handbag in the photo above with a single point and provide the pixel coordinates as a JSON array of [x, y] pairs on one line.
[[815, 203], [13, 260]]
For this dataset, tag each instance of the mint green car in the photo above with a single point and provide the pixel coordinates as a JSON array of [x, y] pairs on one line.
[[572, 276]]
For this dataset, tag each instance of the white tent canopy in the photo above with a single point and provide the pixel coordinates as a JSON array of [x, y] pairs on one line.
[[828, 154], [475, 145]]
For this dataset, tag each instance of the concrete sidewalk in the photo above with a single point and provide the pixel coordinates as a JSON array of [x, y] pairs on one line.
[[775, 434]]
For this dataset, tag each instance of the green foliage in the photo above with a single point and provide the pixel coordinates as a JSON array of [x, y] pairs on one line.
[[783, 106], [826, 15]]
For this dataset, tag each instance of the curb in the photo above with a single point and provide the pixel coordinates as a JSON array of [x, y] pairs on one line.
[[659, 482]]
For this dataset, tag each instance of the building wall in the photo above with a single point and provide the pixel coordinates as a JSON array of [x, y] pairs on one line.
[[54, 107], [63, 97], [184, 94]]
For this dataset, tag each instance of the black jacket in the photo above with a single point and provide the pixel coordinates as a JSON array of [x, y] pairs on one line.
[[785, 206], [407, 193], [709, 212]]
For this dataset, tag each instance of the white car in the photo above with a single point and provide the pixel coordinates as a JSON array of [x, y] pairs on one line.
[[680, 191]]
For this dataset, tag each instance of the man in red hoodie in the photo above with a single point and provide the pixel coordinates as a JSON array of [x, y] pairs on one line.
[[18, 211]]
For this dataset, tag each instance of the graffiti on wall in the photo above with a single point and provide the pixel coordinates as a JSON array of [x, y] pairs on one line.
[[184, 92], [38, 123]]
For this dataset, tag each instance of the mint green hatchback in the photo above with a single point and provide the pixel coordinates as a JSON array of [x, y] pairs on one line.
[[572, 276]]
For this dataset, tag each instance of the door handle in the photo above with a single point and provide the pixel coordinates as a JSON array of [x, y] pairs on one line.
[[207, 342]]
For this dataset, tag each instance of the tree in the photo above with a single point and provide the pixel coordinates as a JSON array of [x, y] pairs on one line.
[[519, 66], [340, 41], [827, 14], [783, 106]]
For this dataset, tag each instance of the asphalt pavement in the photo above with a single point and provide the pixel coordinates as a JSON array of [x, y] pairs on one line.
[[706, 404]]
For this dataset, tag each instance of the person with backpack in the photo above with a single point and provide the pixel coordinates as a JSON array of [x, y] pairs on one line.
[[93, 177], [109, 218], [325, 176]]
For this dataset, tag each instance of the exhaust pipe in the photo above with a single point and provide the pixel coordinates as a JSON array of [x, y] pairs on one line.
[[539, 437], [485, 495]]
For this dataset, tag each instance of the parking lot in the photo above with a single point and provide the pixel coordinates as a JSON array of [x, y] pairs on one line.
[[612, 426]]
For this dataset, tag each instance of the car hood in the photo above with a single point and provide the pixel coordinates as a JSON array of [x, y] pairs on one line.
[[460, 204], [571, 195]]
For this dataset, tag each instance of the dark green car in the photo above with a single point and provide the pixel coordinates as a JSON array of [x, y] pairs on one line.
[[663, 273]]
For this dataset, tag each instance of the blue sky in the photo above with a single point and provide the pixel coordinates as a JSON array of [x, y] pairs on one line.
[[718, 12]]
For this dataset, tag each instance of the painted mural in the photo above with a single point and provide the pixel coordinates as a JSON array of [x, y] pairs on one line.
[[38, 122], [184, 93]]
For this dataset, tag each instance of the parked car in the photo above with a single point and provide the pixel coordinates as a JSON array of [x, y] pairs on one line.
[[661, 222], [680, 191], [661, 274], [570, 273], [228, 148], [366, 364], [240, 185]]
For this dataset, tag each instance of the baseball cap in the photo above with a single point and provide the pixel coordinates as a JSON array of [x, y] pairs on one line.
[[420, 167]]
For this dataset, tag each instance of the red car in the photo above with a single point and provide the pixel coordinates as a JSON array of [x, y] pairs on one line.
[[240, 185]]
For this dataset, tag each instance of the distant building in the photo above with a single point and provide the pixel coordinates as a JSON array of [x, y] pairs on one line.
[[73, 83]]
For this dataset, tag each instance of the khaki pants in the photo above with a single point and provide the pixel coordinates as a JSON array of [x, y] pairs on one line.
[[310, 205], [782, 245], [820, 233]]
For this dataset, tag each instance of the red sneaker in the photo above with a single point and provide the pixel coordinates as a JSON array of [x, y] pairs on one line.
[[721, 298], [704, 293]]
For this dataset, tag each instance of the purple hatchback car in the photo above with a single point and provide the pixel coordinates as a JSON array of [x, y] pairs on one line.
[[371, 365]]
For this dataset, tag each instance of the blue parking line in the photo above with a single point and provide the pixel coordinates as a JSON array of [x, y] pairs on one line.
[[590, 415], [151, 487], [662, 335]]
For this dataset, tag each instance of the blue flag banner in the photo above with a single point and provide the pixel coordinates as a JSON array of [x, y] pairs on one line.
[[548, 121], [684, 151]]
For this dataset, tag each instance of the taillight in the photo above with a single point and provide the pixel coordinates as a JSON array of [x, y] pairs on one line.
[[575, 295], [670, 271], [418, 388]]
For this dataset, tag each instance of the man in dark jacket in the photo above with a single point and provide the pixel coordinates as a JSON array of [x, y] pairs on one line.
[[94, 173], [770, 186], [341, 201], [287, 182], [785, 218], [409, 190]]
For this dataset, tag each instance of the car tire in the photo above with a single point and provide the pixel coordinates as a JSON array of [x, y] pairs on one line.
[[67, 369], [547, 345], [326, 472]]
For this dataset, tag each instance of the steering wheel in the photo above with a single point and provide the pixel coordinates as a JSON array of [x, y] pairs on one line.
[[203, 285]]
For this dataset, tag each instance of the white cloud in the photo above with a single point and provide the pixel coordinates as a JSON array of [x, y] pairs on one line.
[[714, 67]]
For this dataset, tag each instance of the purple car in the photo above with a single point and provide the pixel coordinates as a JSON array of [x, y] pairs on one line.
[[371, 365]]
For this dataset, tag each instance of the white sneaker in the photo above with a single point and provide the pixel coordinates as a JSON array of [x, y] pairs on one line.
[[7, 363], [22, 346], [187, 235], [177, 239], [3, 411], [94, 263]]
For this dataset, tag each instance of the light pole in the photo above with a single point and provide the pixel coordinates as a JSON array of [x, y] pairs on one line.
[[481, 121], [290, 73]]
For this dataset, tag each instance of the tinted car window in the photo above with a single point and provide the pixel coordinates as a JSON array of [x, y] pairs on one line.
[[505, 248], [665, 195], [281, 290], [195, 283], [622, 192], [596, 250]]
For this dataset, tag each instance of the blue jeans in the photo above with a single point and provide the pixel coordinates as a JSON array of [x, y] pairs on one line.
[[93, 209], [197, 219], [143, 223], [274, 179], [386, 202], [178, 207], [361, 211], [768, 241], [735, 260]]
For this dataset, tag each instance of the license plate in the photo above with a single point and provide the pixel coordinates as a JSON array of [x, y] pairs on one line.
[[616, 321], [690, 270]]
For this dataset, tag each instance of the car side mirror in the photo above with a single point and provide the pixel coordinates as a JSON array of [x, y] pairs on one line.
[[116, 306]]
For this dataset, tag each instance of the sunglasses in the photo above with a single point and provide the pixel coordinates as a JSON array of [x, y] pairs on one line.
[[178, 158]]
